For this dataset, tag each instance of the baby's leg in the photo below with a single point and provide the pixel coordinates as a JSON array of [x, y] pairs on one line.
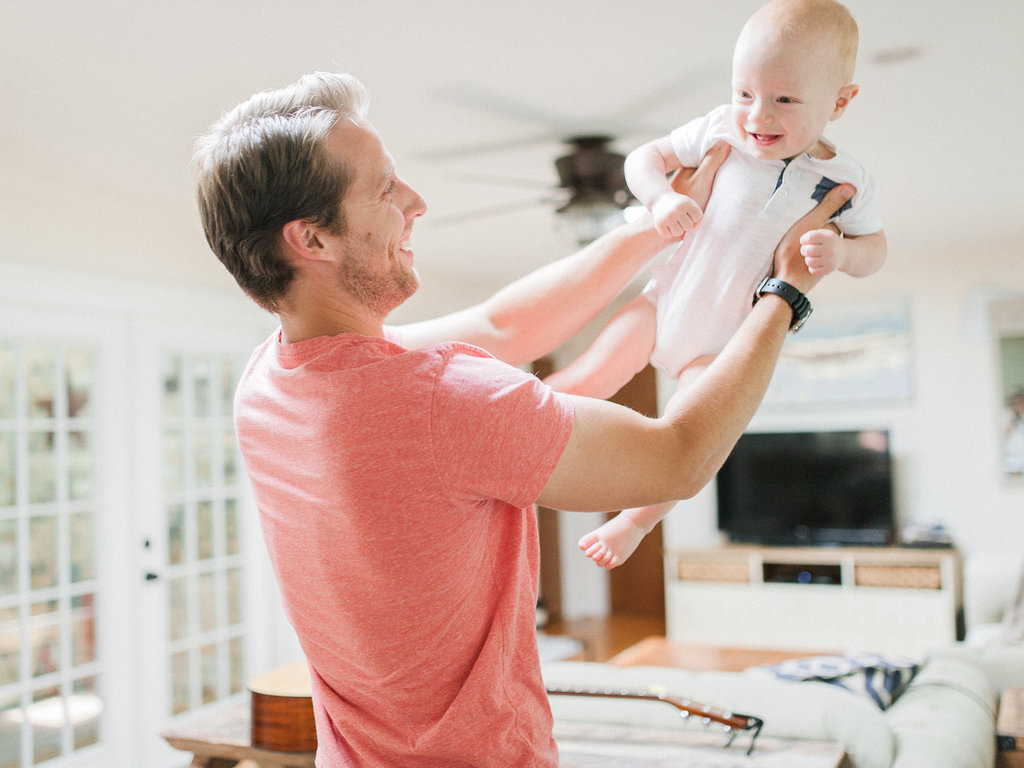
[[611, 544]]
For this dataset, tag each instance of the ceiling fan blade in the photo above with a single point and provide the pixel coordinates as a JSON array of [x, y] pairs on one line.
[[502, 181], [487, 100], [487, 211], [714, 76], [467, 150]]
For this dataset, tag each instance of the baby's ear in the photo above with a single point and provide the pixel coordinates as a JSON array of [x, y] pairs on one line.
[[843, 99]]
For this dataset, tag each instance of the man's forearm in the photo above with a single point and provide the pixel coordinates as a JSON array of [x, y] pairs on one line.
[[542, 310], [546, 308]]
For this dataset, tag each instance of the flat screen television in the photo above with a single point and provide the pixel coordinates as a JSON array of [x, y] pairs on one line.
[[808, 488]]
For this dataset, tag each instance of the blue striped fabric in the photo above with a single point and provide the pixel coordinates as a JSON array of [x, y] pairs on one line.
[[879, 678]]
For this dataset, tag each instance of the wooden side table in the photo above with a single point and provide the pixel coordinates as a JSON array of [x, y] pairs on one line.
[[1010, 729], [225, 739], [659, 652]]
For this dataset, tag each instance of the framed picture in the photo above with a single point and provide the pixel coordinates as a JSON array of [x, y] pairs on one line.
[[1008, 327], [846, 356]]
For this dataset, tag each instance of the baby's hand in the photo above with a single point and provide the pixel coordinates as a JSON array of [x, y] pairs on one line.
[[675, 215], [823, 250]]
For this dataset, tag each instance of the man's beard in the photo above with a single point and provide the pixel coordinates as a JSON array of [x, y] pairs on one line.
[[379, 285]]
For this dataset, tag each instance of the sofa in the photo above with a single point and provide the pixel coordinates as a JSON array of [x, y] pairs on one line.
[[944, 717]]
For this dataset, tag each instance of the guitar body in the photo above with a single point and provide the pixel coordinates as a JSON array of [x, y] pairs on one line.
[[282, 710]]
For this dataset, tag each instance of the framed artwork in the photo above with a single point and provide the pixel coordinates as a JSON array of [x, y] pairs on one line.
[[1008, 328], [846, 356]]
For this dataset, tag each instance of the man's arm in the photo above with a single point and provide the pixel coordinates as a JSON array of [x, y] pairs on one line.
[[616, 458], [546, 308]]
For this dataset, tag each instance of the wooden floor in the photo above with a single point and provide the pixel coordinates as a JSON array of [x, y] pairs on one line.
[[604, 637]]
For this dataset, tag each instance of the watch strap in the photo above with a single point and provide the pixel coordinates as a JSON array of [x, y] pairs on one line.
[[797, 301]]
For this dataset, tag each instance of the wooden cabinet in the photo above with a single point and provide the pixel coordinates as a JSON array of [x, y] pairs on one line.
[[884, 599]]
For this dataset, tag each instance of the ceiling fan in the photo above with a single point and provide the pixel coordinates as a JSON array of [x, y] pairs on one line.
[[591, 195]]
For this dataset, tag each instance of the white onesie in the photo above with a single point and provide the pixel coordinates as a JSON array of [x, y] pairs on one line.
[[705, 289]]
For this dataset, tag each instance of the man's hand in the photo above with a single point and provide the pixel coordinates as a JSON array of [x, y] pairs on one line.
[[696, 183], [789, 261]]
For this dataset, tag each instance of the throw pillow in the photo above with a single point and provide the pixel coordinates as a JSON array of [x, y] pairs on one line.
[[880, 679]]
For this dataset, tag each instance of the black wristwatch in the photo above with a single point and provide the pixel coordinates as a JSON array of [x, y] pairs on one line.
[[800, 304]]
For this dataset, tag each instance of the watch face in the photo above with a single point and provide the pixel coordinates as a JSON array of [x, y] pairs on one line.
[[799, 322]]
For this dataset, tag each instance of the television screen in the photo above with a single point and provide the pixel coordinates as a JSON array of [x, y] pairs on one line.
[[808, 488]]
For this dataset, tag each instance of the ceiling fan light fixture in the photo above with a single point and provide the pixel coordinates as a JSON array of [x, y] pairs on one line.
[[585, 221]]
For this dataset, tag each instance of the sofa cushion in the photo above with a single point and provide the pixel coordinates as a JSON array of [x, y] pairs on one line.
[[1002, 662], [945, 717], [814, 711], [880, 679]]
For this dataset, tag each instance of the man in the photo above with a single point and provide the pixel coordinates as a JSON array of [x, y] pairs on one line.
[[395, 469]]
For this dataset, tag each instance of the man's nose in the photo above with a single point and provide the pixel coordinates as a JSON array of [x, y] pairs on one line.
[[415, 205]]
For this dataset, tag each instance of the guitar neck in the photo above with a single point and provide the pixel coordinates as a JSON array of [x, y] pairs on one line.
[[688, 708]]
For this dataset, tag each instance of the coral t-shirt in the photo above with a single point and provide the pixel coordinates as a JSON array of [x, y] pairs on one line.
[[395, 491]]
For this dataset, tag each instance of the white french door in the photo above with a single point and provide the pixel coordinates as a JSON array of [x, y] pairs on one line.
[[200, 625], [131, 568], [58, 587]]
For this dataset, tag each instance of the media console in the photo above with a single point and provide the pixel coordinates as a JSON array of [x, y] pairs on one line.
[[872, 599]]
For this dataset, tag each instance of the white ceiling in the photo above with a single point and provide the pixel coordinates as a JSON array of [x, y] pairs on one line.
[[102, 100]]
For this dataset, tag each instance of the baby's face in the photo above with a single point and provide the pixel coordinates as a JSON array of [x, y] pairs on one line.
[[783, 97]]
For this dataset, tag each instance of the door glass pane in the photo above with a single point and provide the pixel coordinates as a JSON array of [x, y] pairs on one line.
[[8, 467], [83, 546], [7, 385], [42, 467], [83, 629], [49, 670], [10, 737], [79, 378], [8, 557], [10, 647], [44, 638], [85, 712], [80, 469], [39, 381], [42, 535], [46, 718], [206, 633]]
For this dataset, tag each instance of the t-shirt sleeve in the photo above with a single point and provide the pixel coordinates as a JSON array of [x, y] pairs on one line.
[[497, 431]]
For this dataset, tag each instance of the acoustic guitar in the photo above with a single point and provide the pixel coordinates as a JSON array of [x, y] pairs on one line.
[[282, 710]]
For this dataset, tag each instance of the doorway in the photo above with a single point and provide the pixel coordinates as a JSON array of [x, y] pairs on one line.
[[636, 588]]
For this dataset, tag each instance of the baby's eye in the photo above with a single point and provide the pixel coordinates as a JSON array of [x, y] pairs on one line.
[[787, 100]]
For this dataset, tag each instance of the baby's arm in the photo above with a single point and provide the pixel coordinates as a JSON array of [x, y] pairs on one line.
[[646, 170], [824, 251], [621, 350], [612, 544]]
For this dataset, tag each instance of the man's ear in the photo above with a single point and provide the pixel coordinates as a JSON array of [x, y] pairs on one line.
[[846, 94], [303, 239]]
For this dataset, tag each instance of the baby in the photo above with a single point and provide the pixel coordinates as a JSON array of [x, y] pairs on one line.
[[792, 74]]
